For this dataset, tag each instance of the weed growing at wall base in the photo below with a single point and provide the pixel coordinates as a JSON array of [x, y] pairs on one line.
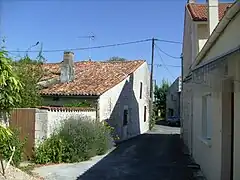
[[7, 144], [76, 140]]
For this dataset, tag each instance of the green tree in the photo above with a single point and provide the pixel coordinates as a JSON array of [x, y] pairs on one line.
[[160, 95], [29, 72], [10, 85], [116, 58], [10, 89]]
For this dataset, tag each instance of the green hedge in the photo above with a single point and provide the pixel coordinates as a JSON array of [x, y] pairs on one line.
[[76, 140]]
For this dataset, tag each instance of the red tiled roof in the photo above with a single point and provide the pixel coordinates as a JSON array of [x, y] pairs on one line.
[[91, 78], [199, 12], [66, 108]]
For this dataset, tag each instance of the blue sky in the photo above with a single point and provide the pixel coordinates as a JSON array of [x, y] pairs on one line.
[[58, 24]]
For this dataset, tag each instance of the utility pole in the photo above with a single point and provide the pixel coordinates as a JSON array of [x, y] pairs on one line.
[[151, 79], [151, 75]]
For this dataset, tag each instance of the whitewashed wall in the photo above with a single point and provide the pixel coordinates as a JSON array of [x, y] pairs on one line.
[[56, 117], [126, 94], [46, 121]]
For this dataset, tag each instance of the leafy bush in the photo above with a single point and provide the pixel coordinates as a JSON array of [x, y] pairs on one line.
[[76, 140], [152, 121], [79, 104], [12, 141]]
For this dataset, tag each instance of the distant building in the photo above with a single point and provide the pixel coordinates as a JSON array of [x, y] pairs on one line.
[[173, 98]]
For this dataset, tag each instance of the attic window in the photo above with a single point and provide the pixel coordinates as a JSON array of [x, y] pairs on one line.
[[55, 98]]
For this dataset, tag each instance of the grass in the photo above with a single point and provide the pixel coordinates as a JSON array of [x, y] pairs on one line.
[[28, 169]]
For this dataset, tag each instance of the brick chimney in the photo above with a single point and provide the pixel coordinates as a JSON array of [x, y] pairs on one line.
[[213, 18], [67, 67]]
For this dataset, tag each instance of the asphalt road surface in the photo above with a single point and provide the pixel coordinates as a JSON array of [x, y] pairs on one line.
[[157, 155]]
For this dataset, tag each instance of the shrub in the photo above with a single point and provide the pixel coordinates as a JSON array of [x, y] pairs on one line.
[[152, 121], [76, 140], [12, 141], [103, 137]]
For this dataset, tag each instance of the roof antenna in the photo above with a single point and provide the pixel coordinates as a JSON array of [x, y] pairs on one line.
[[91, 38]]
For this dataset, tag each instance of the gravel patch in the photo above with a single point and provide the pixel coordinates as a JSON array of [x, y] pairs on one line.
[[15, 173], [67, 171]]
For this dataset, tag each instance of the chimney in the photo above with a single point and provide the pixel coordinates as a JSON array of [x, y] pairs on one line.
[[67, 67], [212, 15]]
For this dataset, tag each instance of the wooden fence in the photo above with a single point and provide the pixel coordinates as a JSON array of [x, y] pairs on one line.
[[24, 121]]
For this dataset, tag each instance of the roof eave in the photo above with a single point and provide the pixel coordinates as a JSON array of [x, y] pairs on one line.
[[71, 94], [223, 23]]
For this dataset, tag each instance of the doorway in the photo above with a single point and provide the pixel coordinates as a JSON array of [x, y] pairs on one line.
[[227, 130]]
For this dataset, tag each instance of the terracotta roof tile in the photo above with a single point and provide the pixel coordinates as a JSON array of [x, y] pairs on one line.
[[91, 78], [199, 12], [49, 108]]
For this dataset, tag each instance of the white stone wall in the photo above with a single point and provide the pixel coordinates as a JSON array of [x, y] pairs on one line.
[[47, 120], [208, 155], [55, 118], [41, 125], [127, 93]]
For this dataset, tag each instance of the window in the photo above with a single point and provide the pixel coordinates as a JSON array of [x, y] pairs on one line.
[[170, 112], [55, 98], [207, 117], [125, 117], [140, 90], [145, 113]]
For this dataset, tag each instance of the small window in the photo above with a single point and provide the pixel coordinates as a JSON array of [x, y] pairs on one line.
[[55, 98], [140, 90], [125, 117], [206, 117], [145, 113], [170, 112]]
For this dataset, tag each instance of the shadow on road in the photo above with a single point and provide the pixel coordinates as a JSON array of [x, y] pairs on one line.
[[146, 157], [164, 123]]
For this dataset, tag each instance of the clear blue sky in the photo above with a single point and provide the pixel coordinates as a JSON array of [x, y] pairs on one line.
[[58, 24]]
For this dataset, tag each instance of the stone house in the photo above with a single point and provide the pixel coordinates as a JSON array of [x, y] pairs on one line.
[[210, 94], [173, 98], [118, 90]]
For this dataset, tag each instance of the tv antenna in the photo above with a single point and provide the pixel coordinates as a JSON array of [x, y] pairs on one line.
[[91, 38]]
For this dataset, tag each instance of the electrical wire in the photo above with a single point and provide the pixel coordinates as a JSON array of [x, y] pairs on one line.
[[164, 65], [96, 47], [160, 65], [167, 41], [174, 57], [87, 48]]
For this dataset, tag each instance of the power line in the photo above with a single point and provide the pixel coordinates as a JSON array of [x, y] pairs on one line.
[[169, 65], [174, 57], [164, 65], [97, 47], [86, 48], [168, 41]]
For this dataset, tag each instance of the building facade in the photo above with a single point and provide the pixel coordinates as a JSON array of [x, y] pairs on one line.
[[210, 95]]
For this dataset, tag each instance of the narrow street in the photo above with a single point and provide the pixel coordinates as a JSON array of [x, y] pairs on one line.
[[157, 155]]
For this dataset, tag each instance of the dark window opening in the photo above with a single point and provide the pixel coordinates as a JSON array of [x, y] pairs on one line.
[[170, 112], [145, 113], [55, 98], [140, 90], [125, 117]]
